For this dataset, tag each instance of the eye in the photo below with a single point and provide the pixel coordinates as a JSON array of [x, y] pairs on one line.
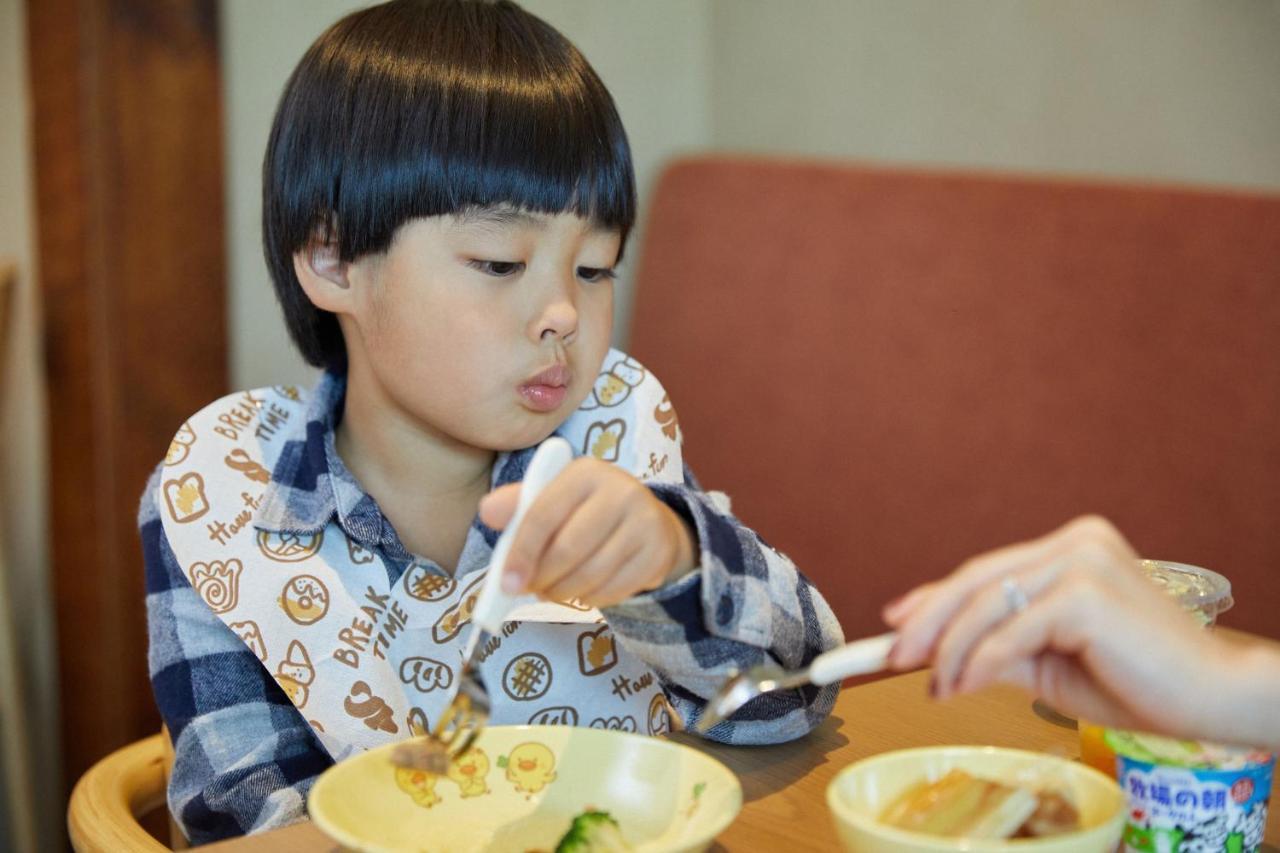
[[595, 274], [497, 269]]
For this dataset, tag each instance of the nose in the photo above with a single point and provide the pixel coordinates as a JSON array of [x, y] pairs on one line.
[[556, 317]]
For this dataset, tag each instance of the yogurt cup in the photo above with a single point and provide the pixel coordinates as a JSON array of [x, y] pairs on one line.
[[1203, 593], [1192, 796]]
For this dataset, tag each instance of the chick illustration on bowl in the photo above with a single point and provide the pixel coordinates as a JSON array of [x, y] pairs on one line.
[[531, 767], [469, 771], [419, 785]]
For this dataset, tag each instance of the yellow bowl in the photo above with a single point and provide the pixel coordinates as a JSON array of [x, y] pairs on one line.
[[860, 793], [520, 787]]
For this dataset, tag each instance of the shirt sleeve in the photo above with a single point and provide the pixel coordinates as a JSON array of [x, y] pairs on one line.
[[746, 604], [244, 758]]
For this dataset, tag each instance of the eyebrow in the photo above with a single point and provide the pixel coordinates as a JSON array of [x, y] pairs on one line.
[[506, 216]]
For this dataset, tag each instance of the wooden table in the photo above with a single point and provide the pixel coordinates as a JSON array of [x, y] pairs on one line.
[[784, 787]]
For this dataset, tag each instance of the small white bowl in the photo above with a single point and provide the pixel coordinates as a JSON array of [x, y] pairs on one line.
[[860, 793], [520, 788]]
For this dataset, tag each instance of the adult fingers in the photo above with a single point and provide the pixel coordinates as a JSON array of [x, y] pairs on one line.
[[985, 610], [897, 611], [919, 631]]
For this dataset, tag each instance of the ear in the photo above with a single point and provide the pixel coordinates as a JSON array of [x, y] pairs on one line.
[[324, 276]]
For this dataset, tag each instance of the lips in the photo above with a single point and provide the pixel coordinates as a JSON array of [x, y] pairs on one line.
[[545, 391]]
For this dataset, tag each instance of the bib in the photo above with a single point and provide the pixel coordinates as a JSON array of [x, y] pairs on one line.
[[366, 661]]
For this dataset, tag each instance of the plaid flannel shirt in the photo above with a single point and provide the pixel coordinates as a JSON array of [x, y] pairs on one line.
[[244, 756]]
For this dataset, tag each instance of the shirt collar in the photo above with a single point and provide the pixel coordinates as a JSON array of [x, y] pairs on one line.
[[309, 482]]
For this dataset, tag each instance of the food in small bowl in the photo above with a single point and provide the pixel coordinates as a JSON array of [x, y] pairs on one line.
[[974, 798], [522, 788]]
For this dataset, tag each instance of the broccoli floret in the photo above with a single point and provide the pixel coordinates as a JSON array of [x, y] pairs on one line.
[[593, 832]]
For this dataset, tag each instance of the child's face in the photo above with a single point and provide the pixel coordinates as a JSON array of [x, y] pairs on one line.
[[487, 328]]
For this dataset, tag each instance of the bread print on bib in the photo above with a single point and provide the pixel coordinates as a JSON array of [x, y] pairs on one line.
[[218, 583], [613, 386], [596, 651], [527, 677], [665, 414], [289, 547], [251, 635], [604, 440], [295, 674], [180, 446], [185, 497]]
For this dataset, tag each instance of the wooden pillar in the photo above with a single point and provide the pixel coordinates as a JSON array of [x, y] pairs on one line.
[[129, 189]]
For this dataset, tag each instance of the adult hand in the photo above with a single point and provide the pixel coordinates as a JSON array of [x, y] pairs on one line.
[[1072, 618], [595, 533]]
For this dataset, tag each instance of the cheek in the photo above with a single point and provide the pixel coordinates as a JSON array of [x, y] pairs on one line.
[[415, 329]]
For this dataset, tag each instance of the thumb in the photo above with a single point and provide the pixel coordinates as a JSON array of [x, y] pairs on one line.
[[497, 507]]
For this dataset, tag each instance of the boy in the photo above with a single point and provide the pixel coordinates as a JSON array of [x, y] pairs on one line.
[[447, 190]]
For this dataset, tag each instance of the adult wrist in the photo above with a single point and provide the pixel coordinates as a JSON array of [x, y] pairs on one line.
[[1247, 694]]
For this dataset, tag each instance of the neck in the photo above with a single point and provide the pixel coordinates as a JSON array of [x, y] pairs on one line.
[[428, 484]]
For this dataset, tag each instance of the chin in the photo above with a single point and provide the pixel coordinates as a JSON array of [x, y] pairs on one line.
[[534, 433]]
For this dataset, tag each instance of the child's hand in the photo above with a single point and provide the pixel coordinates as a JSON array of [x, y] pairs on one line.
[[595, 534]]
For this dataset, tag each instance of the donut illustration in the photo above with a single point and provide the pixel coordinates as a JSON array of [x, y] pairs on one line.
[[305, 599]]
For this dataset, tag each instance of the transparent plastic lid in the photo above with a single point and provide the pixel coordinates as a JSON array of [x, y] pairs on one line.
[[1201, 590]]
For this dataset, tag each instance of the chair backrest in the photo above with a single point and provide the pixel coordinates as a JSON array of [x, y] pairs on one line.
[[889, 371]]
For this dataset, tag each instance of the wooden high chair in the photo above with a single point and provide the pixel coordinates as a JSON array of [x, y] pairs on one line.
[[112, 796]]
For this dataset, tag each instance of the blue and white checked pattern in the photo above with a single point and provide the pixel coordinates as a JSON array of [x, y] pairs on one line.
[[244, 756]]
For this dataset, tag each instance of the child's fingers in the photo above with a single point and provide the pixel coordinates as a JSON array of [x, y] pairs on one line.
[[598, 569], [551, 509], [497, 507], [583, 534]]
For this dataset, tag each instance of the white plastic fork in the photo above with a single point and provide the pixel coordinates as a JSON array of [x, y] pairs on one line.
[[467, 714]]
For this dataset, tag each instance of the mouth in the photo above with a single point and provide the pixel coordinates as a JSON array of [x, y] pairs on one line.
[[545, 391]]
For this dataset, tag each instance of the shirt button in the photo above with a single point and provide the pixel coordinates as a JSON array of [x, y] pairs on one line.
[[724, 610]]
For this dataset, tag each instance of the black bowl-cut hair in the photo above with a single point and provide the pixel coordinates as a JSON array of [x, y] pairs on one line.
[[420, 108]]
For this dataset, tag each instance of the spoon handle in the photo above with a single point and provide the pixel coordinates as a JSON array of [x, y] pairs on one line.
[[858, 658], [492, 605]]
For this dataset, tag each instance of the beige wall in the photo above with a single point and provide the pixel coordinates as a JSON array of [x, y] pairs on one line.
[[652, 55], [23, 481], [1172, 90]]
